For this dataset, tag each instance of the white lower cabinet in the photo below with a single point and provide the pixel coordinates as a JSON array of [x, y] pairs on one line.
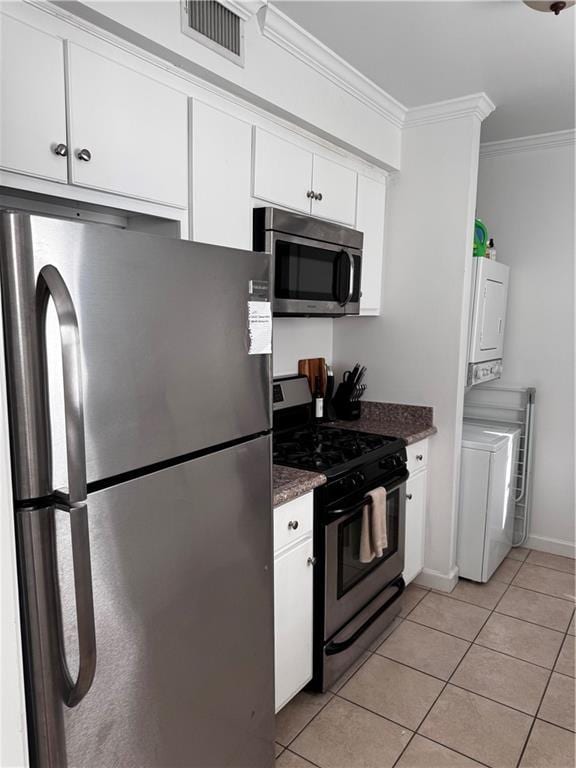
[[416, 502], [293, 583]]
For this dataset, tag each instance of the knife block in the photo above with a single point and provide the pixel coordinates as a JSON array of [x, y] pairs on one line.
[[346, 409]]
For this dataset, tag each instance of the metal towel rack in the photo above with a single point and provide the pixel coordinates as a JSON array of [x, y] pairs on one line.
[[510, 405]]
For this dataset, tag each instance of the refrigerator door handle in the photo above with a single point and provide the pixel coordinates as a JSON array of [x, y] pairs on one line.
[[52, 285], [74, 691]]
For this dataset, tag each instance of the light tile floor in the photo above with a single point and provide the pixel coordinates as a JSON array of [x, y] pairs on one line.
[[481, 677]]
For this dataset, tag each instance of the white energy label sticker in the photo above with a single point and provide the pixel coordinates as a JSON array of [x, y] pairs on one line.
[[260, 327]]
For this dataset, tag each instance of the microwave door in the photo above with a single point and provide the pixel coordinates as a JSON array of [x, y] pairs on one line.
[[312, 278]]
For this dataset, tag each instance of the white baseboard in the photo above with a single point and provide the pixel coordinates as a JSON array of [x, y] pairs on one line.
[[553, 546], [443, 582]]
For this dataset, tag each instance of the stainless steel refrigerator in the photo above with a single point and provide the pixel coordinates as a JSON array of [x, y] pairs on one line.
[[141, 453]]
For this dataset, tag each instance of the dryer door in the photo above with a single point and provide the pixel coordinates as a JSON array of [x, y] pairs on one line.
[[489, 311]]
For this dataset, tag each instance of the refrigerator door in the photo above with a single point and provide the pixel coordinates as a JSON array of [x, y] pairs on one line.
[[162, 339], [182, 578]]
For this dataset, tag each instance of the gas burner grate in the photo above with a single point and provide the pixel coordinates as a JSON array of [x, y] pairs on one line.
[[323, 448]]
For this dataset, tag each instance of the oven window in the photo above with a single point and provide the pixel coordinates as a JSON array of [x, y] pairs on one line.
[[304, 272], [350, 569]]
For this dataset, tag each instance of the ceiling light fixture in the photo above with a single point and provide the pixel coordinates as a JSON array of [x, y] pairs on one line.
[[555, 7]]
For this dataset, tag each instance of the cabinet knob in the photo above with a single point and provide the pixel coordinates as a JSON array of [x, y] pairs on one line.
[[84, 154], [310, 194], [409, 496], [318, 196], [61, 150], [419, 457], [311, 561], [293, 524]]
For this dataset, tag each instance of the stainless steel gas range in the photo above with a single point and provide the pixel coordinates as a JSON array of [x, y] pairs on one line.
[[353, 601]]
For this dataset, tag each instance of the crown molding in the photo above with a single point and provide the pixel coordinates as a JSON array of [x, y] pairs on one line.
[[244, 8], [283, 31], [553, 140], [477, 105]]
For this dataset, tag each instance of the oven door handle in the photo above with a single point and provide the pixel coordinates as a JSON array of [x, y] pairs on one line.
[[356, 507], [334, 648]]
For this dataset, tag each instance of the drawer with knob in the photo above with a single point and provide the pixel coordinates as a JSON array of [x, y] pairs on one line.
[[417, 456], [293, 521]]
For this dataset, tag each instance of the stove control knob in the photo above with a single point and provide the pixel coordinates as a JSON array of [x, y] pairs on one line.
[[361, 478]]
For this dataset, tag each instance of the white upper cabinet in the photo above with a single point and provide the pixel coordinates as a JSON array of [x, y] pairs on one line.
[[32, 99], [282, 172], [221, 148], [370, 220], [334, 189], [128, 131], [288, 175]]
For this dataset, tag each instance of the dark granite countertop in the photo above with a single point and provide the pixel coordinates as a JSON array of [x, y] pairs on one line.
[[289, 483], [411, 422]]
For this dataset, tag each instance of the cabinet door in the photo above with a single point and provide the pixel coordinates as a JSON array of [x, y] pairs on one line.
[[221, 176], [492, 314], [293, 576], [370, 220], [282, 172], [489, 313], [415, 525], [32, 96], [337, 187], [134, 127]]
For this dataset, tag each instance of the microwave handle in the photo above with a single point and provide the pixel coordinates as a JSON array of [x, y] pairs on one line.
[[343, 258], [350, 278]]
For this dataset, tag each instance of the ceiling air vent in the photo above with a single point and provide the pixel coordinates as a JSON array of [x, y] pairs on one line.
[[215, 25]]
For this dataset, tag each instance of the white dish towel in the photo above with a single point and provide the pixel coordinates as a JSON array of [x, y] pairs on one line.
[[374, 533]]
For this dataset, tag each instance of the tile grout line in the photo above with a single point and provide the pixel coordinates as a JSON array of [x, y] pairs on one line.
[[471, 642], [550, 567], [303, 758], [445, 683], [544, 594], [471, 646], [400, 725], [293, 739], [442, 691], [542, 699], [439, 743], [528, 621], [334, 693]]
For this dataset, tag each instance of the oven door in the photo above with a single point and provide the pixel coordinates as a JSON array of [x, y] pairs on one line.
[[315, 278], [350, 584]]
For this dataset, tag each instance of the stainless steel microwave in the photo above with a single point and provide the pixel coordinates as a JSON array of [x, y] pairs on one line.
[[317, 264]]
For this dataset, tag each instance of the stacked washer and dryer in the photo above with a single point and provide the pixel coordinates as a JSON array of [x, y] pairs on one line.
[[490, 448]]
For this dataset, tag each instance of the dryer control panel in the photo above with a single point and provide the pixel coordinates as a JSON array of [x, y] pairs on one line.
[[478, 373]]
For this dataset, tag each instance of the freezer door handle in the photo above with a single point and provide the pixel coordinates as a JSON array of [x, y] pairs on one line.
[[52, 285], [74, 691]]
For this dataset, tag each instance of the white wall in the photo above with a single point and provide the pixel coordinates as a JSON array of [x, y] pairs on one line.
[[298, 338], [415, 351], [527, 201]]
